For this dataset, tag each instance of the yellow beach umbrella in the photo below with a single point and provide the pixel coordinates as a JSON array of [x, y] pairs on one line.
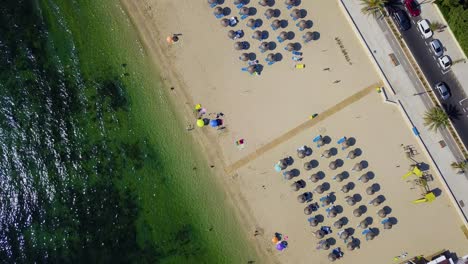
[[200, 123], [197, 106]]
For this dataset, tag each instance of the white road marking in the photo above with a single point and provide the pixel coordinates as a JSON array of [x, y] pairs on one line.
[[445, 72], [425, 43], [460, 102]]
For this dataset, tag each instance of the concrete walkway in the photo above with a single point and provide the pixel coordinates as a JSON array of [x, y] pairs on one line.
[[406, 90]]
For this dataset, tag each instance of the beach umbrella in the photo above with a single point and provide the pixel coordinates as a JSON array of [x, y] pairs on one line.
[[308, 37], [357, 167], [214, 123], [231, 34], [251, 22], [271, 57], [363, 224], [282, 162], [257, 35], [290, 47], [275, 239], [276, 23], [326, 201], [319, 234], [338, 224], [357, 212], [345, 188], [290, 2], [376, 201], [332, 165], [344, 234], [345, 143], [288, 175], [382, 213], [263, 2], [387, 225], [308, 210], [224, 22], [325, 245], [269, 13], [266, 46], [351, 246], [370, 190], [307, 166], [351, 154], [283, 35], [245, 57], [313, 222], [296, 13], [319, 189], [302, 198], [370, 235], [295, 186], [301, 153], [326, 153], [212, 1], [331, 257], [218, 11], [332, 213], [364, 178], [302, 24], [200, 123], [251, 69], [244, 11], [314, 178], [339, 177], [280, 246], [350, 200], [238, 46]]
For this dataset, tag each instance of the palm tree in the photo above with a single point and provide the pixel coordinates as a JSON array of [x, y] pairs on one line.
[[373, 7], [436, 118], [460, 166]]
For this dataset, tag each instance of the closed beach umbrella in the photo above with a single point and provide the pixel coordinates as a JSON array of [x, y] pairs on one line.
[[266, 46], [350, 246], [302, 24], [351, 154], [314, 178], [382, 213], [319, 234], [296, 13], [290, 47], [387, 225], [344, 234], [338, 224], [350, 200], [332, 165], [357, 212], [218, 10], [302, 198], [271, 57], [251, 69], [345, 188], [357, 167], [308, 37], [331, 257], [339, 177], [251, 22], [238, 46], [200, 123], [244, 11], [245, 57], [370, 190], [370, 236], [364, 178], [363, 224], [307, 166], [276, 23], [263, 2], [231, 34], [269, 13], [295, 186], [257, 35], [283, 35], [224, 22], [307, 210], [319, 189], [288, 175], [326, 153]]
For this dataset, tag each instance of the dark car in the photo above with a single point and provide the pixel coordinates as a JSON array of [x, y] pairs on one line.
[[413, 7], [402, 19]]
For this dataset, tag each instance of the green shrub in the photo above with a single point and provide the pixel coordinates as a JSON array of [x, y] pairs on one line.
[[456, 14]]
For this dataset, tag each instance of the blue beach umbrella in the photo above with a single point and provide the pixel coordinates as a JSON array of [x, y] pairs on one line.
[[214, 123]]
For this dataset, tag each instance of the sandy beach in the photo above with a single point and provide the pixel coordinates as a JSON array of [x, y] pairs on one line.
[[270, 112]]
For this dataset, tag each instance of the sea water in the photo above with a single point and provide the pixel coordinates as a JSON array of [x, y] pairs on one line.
[[95, 166]]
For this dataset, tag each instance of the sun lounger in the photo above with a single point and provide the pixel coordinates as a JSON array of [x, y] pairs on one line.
[[341, 140], [317, 138], [300, 66], [244, 17], [298, 53], [296, 58]]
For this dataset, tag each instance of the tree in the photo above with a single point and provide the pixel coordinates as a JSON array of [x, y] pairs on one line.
[[373, 7], [460, 166], [436, 118], [437, 26]]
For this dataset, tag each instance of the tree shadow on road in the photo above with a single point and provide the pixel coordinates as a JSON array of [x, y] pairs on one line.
[[452, 111]]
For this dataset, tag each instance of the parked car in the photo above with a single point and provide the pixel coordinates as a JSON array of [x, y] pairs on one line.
[[402, 19], [413, 7], [437, 47], [443, 90], [445, 62], [424, 28]]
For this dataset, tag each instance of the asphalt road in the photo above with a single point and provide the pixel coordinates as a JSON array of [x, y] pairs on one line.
[[457, 105]]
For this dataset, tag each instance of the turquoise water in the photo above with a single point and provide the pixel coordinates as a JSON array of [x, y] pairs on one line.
[[95, 165]]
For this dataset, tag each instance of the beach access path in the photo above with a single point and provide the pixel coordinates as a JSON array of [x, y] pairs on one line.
[[407, 91]]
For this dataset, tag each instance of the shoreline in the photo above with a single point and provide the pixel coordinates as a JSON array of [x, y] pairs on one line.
[[179, 97]]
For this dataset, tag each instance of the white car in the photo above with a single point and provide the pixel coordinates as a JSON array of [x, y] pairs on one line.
[[445, 62], [443, 90], [424, 28], [437, 47]]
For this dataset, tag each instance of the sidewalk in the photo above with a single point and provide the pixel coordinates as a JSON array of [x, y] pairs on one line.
[[404, 84], [431, 12]]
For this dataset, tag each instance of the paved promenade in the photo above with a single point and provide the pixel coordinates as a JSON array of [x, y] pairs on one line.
[[405, 90]]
